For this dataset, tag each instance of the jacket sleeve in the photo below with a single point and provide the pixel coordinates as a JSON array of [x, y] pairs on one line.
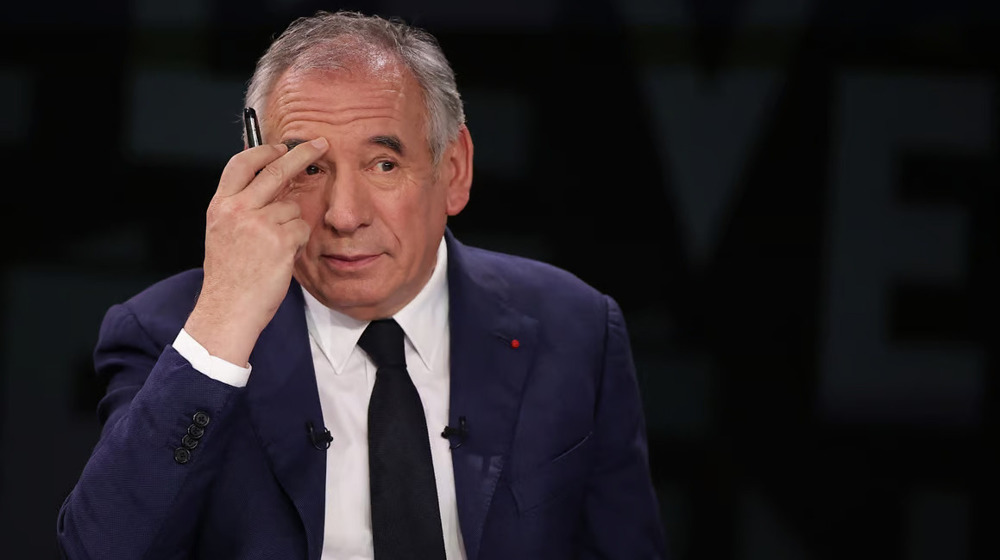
[[141, 491], [622, 514]]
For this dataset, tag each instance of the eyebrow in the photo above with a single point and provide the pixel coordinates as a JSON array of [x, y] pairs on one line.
[[388, 141], [292, 142]]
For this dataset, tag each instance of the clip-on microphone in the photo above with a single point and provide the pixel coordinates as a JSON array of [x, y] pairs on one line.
[[320, 440], [462, 432]]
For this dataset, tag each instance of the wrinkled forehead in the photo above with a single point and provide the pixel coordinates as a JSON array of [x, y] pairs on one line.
[[372, 79], [356, 63], [373, 85]]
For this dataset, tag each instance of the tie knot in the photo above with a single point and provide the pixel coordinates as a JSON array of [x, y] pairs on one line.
[[383, 342]]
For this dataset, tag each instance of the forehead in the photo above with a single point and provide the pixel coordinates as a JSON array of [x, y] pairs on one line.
[[372, 86]]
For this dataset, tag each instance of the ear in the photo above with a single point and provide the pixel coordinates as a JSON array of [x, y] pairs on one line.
[[456, 169]]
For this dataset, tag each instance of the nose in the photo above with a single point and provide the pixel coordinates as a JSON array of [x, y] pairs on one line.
[[348, 203]]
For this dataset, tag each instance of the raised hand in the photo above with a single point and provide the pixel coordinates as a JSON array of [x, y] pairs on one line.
[[252, 238]]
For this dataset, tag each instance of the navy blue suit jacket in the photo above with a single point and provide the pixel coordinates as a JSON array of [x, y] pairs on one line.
[[554, 465]]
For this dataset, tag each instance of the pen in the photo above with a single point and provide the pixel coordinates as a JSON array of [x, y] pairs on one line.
[[252, 127]]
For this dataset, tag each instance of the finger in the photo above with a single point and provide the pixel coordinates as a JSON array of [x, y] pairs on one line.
[[266, 186], [242, 167], [282, 211], [298, 233]]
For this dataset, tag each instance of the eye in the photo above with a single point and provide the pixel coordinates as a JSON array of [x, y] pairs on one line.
[[312, 170], [385, 166]]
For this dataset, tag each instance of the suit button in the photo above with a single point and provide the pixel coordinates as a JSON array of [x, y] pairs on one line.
[[182, 455], [200, 419], [189, 442], [195, 431]]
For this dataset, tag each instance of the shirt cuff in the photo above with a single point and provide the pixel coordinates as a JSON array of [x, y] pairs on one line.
[[212, 366]]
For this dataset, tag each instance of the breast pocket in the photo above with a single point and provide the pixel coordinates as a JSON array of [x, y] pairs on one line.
[[558, 477]]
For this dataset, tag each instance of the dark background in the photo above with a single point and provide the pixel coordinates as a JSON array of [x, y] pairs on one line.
[[794, 201]]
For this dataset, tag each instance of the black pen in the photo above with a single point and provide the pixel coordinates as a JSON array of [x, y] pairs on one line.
[[252, 127]]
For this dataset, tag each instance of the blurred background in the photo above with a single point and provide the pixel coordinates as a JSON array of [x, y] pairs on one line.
[[794, 201]]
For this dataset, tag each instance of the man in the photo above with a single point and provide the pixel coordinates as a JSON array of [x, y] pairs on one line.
[[246, 412]]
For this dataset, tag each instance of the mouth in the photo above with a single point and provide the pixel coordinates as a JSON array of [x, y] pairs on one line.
[[350, 262]]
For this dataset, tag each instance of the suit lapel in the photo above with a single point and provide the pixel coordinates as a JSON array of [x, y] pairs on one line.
[[488, 371], [283, 398]]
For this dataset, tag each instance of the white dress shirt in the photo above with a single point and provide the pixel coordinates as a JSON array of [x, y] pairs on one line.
[[345, 377]]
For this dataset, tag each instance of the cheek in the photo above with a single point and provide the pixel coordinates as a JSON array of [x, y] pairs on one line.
[[420, 220], [411, 214]]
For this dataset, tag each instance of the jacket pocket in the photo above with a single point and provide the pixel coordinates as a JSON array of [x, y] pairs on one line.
[[555, 478]]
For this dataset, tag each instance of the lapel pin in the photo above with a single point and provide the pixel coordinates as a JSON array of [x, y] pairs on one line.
[[513, 342]]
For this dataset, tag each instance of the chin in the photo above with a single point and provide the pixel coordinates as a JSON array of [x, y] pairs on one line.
[[353, 302]]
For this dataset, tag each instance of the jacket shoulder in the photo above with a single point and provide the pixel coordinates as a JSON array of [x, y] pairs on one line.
[[162, 307], [534, 286]]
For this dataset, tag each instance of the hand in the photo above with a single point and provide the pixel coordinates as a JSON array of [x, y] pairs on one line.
[[252, 238]]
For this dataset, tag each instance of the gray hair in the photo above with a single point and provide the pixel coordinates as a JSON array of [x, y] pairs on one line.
[[333, 40]]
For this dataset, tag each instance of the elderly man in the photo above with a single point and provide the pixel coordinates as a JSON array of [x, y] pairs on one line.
[[343, 378]]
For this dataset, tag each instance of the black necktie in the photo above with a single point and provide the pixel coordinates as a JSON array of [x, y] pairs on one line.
[[406, 521]]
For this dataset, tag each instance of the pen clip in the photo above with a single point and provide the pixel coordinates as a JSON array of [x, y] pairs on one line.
[[252, 127]]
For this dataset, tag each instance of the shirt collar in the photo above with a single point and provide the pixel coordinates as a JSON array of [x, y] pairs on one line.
[[423, 320]]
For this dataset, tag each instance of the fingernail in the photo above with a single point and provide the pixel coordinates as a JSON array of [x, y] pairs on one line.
[[319, 143]]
